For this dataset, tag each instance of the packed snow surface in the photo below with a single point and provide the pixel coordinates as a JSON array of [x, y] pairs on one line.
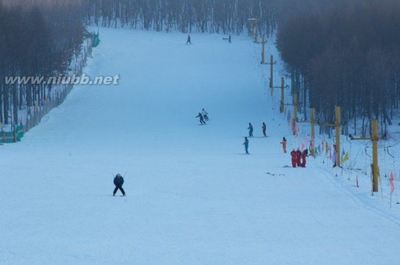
[[193, 197]]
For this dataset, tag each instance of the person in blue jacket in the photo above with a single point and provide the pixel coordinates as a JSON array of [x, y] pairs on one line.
[[264, 129], [201, 118], [250, 128], [246, 145], [118, 182]]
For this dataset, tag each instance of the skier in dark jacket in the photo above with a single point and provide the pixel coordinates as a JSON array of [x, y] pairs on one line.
[[201, 118], [250, 128], [205, 114], [189, 40], [118, 182], [246, 145], [304, 155], [264, 129]]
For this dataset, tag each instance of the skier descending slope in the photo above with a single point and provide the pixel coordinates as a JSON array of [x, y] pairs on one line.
[[205, 114], [189, 40], [264, 129], [250, 128], [246, 145], [201, 118], [118, 182]]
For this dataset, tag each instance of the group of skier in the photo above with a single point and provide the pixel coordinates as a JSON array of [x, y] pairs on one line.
[[299, 158], [203, 117], [250, 128]]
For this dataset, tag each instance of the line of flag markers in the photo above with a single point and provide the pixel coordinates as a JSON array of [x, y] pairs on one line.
[[345, 155]]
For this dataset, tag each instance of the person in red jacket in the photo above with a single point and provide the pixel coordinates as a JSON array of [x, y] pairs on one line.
[[294, 158]]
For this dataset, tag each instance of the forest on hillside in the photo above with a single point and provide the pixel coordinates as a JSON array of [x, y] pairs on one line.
[[222, 16], [37, 38], [346, 55]]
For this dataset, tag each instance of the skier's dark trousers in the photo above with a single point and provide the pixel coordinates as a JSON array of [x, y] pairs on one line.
[[118, 182], [201, 119]]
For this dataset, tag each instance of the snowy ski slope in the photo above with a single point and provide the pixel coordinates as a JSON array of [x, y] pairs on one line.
[[193, 196]]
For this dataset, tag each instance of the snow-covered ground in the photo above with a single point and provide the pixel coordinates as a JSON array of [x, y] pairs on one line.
[[193, 197]]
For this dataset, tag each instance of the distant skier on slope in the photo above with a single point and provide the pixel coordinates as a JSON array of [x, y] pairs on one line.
[[201, 118], [284, 145], [250, 128], [264, 129], [189, 40], [246, 145], [118, 182], [205, 114]]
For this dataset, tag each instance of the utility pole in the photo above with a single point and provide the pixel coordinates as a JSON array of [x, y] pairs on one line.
[[338, 132], [375, 163], [271, 74], [375, 167], [312, 132], [282, 106]]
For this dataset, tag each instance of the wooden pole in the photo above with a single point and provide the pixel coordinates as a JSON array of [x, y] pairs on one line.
[[375, 167], [282, 107], [312, 132], [338, 128]]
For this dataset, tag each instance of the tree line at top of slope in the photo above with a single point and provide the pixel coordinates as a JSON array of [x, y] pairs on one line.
[[346, 55]]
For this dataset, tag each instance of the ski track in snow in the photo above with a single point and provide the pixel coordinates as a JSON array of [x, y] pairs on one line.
[[193, 196]]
